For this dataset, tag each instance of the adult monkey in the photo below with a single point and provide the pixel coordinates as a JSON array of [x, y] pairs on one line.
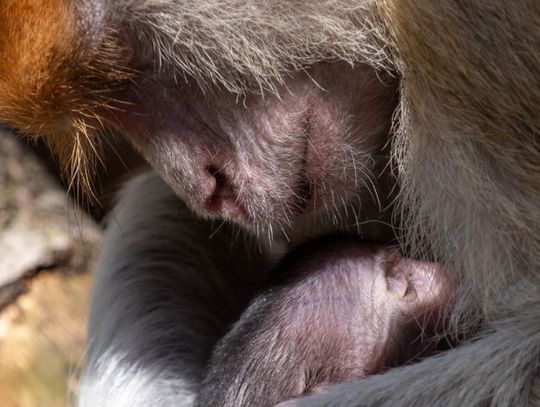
[[467, 147]]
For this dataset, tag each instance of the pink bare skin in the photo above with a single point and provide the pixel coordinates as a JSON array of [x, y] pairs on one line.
[[310, 158], [340, 310]]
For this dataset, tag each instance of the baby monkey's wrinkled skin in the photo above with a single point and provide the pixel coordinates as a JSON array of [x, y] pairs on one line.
[[339, 309]]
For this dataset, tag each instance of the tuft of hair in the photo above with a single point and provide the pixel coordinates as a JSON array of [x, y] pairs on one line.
[[57, 71], [245, 47]]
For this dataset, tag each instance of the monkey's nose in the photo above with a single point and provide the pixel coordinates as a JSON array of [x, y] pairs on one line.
[[222, 199]]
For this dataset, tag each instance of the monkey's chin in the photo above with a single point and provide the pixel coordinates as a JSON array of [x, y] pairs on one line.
[[301, 226], [316, 219]]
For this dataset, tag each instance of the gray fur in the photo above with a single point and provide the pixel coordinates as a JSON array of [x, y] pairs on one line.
[[156, 313]]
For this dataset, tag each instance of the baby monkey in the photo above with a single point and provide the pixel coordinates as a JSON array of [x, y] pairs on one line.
[[339, 309]]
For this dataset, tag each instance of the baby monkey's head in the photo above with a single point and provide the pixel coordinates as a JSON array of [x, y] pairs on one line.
[[339, 310]]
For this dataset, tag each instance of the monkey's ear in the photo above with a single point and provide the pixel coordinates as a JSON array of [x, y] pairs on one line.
[[426, 282]]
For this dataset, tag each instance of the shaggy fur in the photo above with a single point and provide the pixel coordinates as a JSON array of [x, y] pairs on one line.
[[466, 148]]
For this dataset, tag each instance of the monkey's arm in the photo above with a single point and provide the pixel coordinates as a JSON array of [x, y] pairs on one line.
[[164, 294], [478, 374]]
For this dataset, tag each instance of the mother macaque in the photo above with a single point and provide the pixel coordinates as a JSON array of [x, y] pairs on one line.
[[274, 115]]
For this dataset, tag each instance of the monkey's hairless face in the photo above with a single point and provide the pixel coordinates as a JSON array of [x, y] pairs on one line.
[[265, 161]]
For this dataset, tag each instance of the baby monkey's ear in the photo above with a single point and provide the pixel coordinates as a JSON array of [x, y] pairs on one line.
[[424, 283]]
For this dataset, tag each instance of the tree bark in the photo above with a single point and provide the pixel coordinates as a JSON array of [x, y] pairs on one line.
[[47, 248]]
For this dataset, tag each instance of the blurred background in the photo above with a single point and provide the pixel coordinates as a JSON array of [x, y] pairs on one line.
[[48, 247]]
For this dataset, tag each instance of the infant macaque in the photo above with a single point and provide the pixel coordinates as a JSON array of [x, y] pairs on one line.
[[340, 310]]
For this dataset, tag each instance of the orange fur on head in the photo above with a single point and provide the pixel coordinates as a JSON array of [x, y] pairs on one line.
[[50, 74]]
